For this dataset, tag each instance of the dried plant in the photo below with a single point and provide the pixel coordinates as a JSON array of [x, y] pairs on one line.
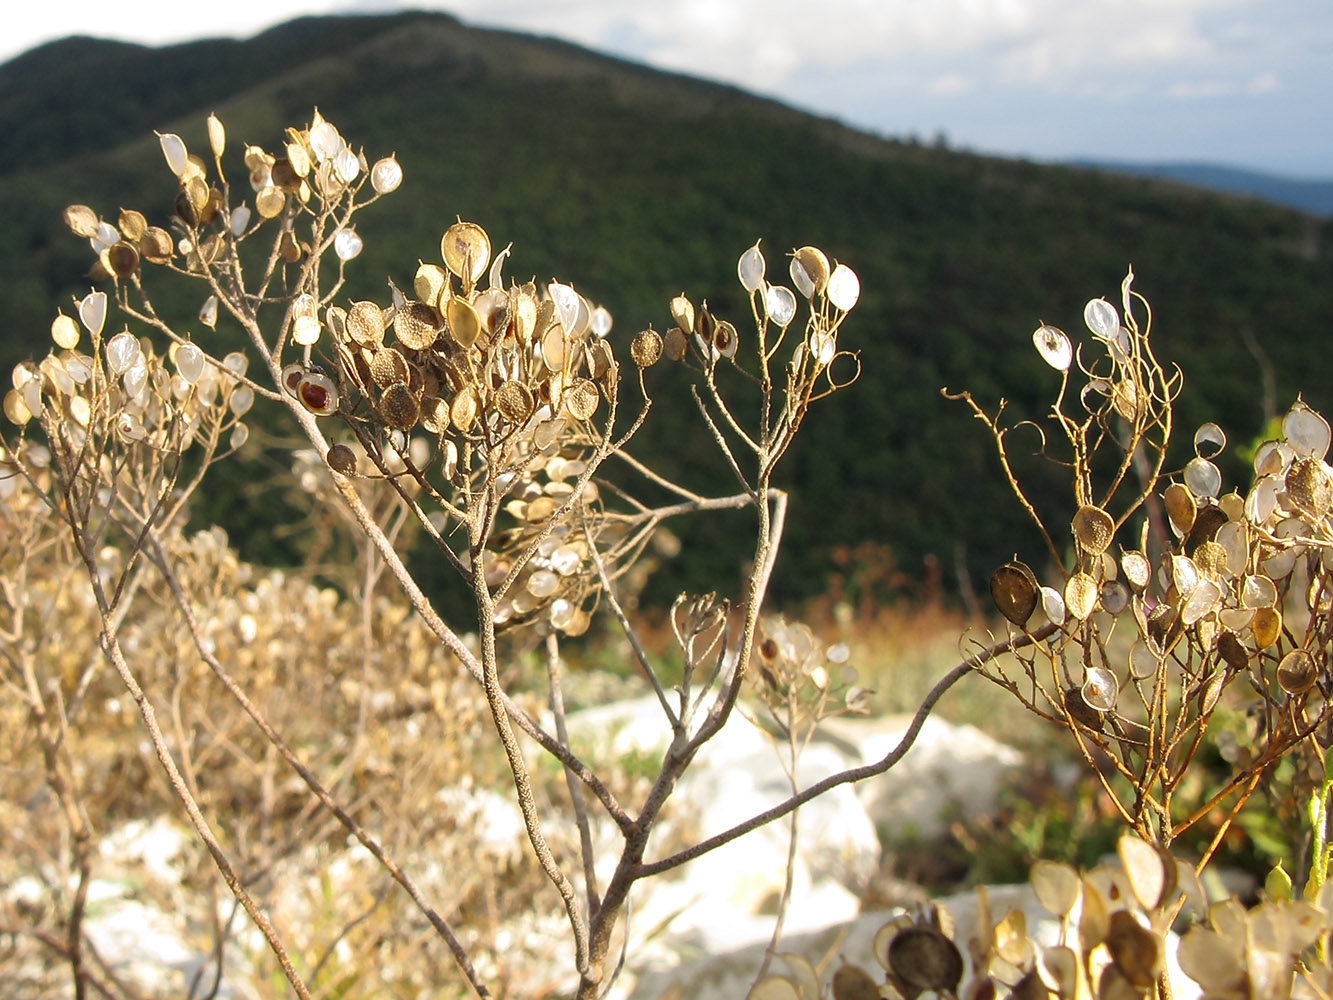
[[496, 418]]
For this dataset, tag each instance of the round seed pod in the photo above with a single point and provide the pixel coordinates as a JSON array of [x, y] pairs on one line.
[[1137, 568], [514, 401], [388, 367], [924, 959], [463, 410], [1232, 651], [1266, 626], [466, 250], [851, 982], [122, 259], [417, 325], [156, 245], [342, 459], [399, 407], [132, 224], [1081, 712], [1309, 487], [1099, 689], [318, 394], [1211, 560], [581, 399], [676, 344], [1180, 507], [1014, 589], [464, 323], [1093, 529], [810, 271], [646, 348], [291, 379], [1297, 672], [1081, 593], [82, 221], [429, 282], [365, 324]]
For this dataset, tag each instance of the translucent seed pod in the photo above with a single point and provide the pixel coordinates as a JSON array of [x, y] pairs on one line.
[[750, 269], [1054, 347]]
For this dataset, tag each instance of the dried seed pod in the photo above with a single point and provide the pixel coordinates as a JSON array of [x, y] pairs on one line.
[[82, 221], [1093, 528], [365, 324], [725, 339], [1306, 431], [1309, 486], [464, 323], [1297, 672], [1135, 951], [1099, 690], [682, 311], [581, 399], [851, 982], [514, 401], [318, 394], [1081, 593], [417, 325], [132, 224], [1232, 651], [399, 407], [466, 250], [1137, 569], [646, 348], [1056, 886], [809, 271], [676, 344], [463, 410], [1014, 589], [1266, 626], [924, 959], [388, 367], [1180, 507], [1114, 597], [1054, 347], [342, 459], [1211, 560]]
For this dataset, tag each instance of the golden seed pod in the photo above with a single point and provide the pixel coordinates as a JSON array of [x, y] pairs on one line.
[[342, 459], [1014, 589], [388, 367], [1180, 507], [463, 410], [514, 401], [417, 325], [365, 324], [399, 407], [122, 259], [434, 415], [815, 265], [1093, 529], [464, 323], [1211, 559], [1266, 625], [270, 201], [217, 136], [132, 224], [81, 220], [525, 311], [1137, 568], [581, 399], [1309, 487], [682, 311], [1297, 672], [492, 308], [65, 332], [429, 282], [155, 245], [1081, 594], [466, 250], [646, 348]]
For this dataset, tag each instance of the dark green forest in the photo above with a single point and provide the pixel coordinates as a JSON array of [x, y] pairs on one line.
[[636, 185]]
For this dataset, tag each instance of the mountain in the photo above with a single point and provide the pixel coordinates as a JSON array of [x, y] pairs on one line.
[[1305, 195], [636, 184]]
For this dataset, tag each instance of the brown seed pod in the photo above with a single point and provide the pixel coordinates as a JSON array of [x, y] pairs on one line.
[[646, 348], [365, 324], [1093, 529], [122, 259], [132, 224], [429, 283], [342, 459], [514, 402], [317, 394], [1135, 950], [815, 264], [677, 343], [581, 399], [1297, 672], [156, 245], [82, 221], [1232, 651], [399, 407], [1208, 518], [1014, 589], [924, 959], [417, 325], [1309, 487], [1211, 559], [851, 982], [1180, 507], [388, 367], [270, 202], [1081, 712]]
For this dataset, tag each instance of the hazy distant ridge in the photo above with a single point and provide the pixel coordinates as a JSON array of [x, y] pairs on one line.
[[1307, 195]]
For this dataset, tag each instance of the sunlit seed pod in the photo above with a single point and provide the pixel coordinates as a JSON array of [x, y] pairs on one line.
[[1137, 569], [925, 959], [1235, 619], [64, 332], [305, 330], [1257, 592], [1262, 499], [1055, 885], [514, 401], [540, 509], [581, 399], [82, 221], [1054, 347], [1233, 537], [1053, 605], [1272, 457], [347, 165], [1102, 319], [1306, 431], [1278, 566], [682, 311], [1081, 593], [132, 224], [54, 375], [1297, 672], [174, 151], [750, 268], [1093, 529], [365, 324], [290, 379], [1143, 661], [130, 428], [416, 325], [399, 407], [240, 400], [92, 312], [1180, 507], [492, 308], [725, 339], [1184, 575], [600, 321], [429, 283], [1015, 591], [542, 583], [809, 270], [1125, 399], [270, 201], [1309, 486], [386, 175], [1202, 601], [122, 351], [347, 244], [16, 410], [318, 394], [448, 459], [646, 348], [1114, 597], [190, 362], [464, 323], [239, 435], [1266, 626], [156, 246], [466, 250], [463, 409], [779, 304], [844, 288], [1203, 478], [1209, 440]]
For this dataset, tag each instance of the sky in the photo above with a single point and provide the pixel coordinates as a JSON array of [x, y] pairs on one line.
[[1246, 83]]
